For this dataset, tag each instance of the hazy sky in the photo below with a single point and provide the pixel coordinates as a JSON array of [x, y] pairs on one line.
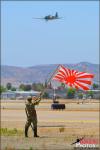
[[28, 42]]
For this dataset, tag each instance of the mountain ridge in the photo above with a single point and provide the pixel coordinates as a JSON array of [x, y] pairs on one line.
[[40, 65], [39, 73]]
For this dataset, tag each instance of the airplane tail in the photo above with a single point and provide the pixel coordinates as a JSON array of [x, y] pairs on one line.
[[56, 15]]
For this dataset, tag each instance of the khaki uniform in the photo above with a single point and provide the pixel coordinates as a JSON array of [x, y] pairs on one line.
[[31, 117], [31, 114]]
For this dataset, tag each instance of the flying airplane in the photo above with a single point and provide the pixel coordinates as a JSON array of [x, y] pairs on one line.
[[50, 17]]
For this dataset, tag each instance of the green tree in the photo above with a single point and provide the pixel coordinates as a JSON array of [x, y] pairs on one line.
[[95, 86], [63, 85], [45, 84], [38, 86], [13, 89], [2, 89], [34, 86], [28, 87], [22, 87], [8, 86], [80, 95], [71, 93], [90, 93], [45, 95]]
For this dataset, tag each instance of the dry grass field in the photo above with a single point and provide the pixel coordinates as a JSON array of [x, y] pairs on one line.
[[57, 128]]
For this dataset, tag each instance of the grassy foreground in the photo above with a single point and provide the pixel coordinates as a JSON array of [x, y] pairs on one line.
[[53, 139], [13, 139]]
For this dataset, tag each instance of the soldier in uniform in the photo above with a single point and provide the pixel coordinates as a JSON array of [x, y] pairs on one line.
[[31, 115]]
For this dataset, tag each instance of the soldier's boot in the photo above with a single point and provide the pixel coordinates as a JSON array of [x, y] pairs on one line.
[[26, 131], [35, 132]]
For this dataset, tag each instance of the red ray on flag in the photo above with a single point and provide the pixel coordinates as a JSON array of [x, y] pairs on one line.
[[73, 78]]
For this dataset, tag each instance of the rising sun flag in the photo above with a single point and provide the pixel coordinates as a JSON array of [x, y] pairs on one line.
[[73, 78]]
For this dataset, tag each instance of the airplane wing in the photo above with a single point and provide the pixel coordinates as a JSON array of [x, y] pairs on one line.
[[38, 18], [59, 18]]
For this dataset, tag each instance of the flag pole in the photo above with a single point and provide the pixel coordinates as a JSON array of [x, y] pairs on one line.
[[41, 94], [53, 73]]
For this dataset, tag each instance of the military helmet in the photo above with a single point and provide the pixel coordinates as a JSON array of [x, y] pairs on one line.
[[29, 98]]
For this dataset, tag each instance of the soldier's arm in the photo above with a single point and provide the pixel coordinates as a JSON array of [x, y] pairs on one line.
[[37, 100], [26, 111]]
